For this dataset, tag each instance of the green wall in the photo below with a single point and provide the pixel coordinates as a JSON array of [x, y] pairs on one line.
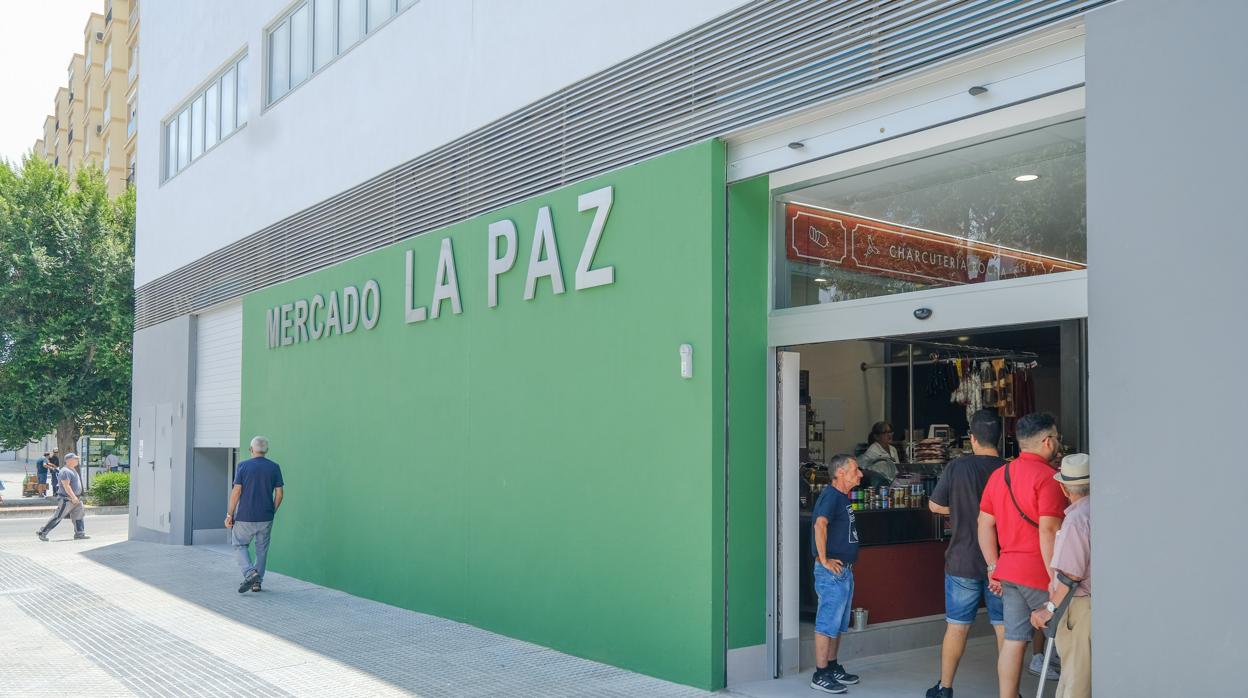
[[747, 411], [539, 468]]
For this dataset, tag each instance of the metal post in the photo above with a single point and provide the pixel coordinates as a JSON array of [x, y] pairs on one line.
[[910, 389]]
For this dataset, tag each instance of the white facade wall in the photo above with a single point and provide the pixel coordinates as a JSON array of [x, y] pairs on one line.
[[439, 70]]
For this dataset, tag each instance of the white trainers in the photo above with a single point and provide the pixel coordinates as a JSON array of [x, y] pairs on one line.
[[1055, 667]]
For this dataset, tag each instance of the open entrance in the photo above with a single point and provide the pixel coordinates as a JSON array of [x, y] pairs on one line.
[[902, 406]]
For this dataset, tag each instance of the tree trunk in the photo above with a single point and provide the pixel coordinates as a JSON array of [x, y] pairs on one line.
[[67, 437]]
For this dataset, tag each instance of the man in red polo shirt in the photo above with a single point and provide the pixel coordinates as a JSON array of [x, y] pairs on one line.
[[1019, 514]]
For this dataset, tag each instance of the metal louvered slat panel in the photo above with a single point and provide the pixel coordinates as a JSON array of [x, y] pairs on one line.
[[755, 63]]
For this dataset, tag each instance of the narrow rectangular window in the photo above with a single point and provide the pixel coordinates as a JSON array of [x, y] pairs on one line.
[[184, 138], [227, 103], [240, 101], [279, 61], [300, 46], [171, 148], [379, 11], [350, 23], [212, 123], [322, 32], [197, 127]]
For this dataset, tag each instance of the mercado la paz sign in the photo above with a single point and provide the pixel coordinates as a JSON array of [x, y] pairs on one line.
[[318, 317]]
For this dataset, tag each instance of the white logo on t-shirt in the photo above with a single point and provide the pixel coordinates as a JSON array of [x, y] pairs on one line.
[[853, 527]]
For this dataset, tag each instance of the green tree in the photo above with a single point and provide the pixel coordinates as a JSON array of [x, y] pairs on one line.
[[66, 305]]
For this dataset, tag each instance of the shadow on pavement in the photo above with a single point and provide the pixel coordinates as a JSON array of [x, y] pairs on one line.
[[409, 650]]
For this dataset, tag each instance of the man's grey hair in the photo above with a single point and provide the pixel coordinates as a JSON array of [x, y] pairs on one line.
[[260, 444], [1078, 490], [838, 463]]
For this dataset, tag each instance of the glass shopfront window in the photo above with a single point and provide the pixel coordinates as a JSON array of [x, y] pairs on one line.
[[1007, 208]]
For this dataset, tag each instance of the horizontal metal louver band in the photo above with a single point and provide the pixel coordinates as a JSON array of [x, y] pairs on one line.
[[755, 63]]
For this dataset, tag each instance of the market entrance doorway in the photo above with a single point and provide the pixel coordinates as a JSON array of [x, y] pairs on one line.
[[919, 391]]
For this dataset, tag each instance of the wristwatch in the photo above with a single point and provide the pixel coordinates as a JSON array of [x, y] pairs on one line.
[[1048, 606]]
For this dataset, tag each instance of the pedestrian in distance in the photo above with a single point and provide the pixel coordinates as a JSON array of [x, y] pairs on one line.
[[834, 544], [1019, 515], [111, 463], [1072, 556], [69, 505], [41, 469], [53, 465], [957, 496], [255, 499]]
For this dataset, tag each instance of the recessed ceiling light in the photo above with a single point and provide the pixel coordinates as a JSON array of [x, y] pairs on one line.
[[1027, 178], [964, 339], [820, 280]]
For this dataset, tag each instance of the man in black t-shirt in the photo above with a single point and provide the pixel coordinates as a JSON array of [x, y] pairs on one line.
[[957, 495]]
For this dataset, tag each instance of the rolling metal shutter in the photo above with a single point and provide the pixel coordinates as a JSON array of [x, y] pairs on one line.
[[764, 60], [218, 376]]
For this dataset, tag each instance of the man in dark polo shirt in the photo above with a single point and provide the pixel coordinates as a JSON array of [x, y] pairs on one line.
[[834, 543], [256, 496], [957, 495], [1019, 515]]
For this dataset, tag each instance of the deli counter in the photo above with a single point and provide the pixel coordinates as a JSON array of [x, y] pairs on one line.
[[901, 557]]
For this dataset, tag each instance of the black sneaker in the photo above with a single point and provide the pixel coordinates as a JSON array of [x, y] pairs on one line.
[[838, 672], [256, 586], [939, 691], [42, 536], [247, 582], [824, 681]]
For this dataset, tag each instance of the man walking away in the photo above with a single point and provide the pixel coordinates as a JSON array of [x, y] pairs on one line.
[[834, 543], [112, 463], [1019, 515], [70, 504], [256, 496], [1072, 556], [966, 574]]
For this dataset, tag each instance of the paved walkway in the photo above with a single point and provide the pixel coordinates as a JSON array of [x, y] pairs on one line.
[[110, 617]]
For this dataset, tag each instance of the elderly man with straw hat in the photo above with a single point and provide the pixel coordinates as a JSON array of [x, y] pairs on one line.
[[1072, 556]]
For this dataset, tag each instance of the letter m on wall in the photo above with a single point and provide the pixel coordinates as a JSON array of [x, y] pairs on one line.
[[274, 320]]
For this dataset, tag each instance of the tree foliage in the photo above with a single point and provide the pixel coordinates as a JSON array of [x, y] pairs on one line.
[[66, 304]]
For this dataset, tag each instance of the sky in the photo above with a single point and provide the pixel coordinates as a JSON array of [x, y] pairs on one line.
[[37, 40]]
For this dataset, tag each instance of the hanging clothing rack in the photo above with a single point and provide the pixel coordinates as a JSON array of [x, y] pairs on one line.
[[955, 351]]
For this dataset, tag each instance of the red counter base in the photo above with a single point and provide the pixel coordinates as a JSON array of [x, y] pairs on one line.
[[895, 582]]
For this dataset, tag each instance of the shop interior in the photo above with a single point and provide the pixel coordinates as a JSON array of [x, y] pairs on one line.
[[925, 387]]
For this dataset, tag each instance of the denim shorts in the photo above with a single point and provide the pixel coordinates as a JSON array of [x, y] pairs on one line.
[[962, 595], [836, 597]]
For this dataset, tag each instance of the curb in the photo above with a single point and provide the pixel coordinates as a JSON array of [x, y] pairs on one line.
[[39, 512]]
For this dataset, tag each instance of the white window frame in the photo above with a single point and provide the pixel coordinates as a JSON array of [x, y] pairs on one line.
[[238, 63], [1059, 296], [397, 7]]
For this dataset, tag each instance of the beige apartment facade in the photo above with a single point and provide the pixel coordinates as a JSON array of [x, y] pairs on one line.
[[93, 119]]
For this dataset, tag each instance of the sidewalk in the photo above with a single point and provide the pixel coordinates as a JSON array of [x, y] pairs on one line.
[[110, 617]]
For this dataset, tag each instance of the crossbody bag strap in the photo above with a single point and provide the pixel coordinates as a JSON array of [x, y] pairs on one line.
[[1010, 488]]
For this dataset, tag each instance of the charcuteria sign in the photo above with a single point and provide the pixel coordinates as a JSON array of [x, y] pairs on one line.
[[358, 307]]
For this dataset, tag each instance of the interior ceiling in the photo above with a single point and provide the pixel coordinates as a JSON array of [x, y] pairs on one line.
[[972, 193]]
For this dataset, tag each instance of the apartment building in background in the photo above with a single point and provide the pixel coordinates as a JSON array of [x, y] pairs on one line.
[[93, 117]]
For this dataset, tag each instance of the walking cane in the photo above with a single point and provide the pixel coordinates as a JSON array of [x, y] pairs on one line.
[[1050, 629]]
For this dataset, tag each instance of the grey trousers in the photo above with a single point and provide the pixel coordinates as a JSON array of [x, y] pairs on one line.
[[242, 534], [66, 509]]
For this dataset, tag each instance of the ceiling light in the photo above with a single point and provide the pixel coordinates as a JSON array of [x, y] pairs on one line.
[[964, 338], [820, 280], [1027, 178]]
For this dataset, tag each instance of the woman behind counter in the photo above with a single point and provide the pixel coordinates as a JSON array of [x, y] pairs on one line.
[[881, 456]]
